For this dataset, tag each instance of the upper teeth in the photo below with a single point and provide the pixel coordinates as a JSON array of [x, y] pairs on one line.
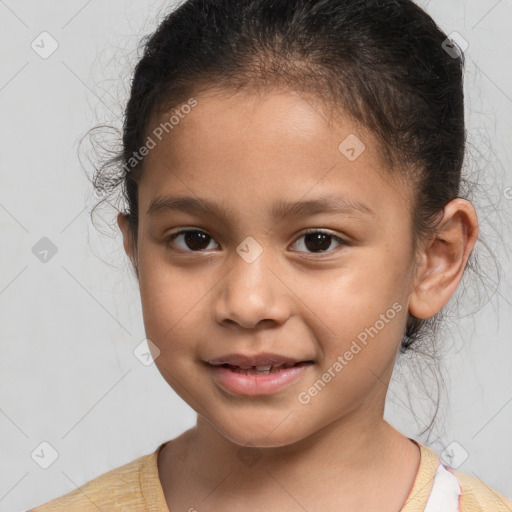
[[264, 368]]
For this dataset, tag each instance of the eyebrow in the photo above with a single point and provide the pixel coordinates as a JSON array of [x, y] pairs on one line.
[[280, 209]]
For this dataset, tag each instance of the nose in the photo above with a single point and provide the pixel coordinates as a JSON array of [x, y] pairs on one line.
[[252, 294]]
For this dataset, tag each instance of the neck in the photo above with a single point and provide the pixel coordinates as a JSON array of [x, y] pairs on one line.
[[338, 445], [349, 455]]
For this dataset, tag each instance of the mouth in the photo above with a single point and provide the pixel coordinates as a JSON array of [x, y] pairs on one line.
[[261, 369], [260, 379]]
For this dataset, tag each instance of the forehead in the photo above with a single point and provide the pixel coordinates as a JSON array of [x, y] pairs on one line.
[[232, 145], [278, 115]]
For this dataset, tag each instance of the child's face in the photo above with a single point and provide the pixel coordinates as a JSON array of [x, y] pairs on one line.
[[344, 307]]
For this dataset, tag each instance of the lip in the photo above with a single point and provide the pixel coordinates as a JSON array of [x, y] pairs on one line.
[[261, 359], [237, 381]]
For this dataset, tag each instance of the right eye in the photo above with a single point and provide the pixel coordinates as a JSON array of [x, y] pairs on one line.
[[192, 239]]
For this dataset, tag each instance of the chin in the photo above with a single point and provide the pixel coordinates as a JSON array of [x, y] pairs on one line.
[[261, 435]]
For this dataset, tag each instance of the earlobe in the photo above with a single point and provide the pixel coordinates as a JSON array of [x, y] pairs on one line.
[[444, 259]]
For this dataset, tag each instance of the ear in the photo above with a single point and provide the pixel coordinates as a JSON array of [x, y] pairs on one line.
[[128, 241], [443, 259]]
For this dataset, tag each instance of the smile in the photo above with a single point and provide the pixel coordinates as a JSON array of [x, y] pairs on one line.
[[257, 380]]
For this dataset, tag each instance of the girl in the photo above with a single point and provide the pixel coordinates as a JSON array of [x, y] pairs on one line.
[[292, 173]]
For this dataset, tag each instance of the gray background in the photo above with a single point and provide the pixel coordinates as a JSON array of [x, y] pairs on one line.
[[69, 326]]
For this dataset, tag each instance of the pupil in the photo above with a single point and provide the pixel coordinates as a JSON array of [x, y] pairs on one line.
[[196, 239], [318, 241]]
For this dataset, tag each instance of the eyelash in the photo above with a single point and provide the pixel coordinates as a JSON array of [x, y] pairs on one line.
[[170, 239]]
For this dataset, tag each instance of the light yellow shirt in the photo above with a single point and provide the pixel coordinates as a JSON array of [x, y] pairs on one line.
[[135, 487]]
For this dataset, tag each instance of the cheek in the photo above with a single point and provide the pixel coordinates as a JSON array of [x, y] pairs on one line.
[[173, 308], [364, 303], [162, 297], [358, 324]]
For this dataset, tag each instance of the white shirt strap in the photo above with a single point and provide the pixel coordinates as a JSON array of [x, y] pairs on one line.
[[445, 493]]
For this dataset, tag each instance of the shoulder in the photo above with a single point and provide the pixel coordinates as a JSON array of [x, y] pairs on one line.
[[440, 487], [477, 496], [119, 489]]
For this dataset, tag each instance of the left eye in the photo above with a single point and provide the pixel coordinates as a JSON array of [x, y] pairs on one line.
[[319, 240], [197, 241]]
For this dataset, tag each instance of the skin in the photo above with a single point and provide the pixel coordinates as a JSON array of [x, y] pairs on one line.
[[246, 152]]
